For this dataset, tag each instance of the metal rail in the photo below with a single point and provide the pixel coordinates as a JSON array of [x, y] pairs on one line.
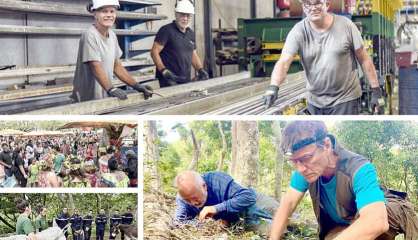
[[231, 95]]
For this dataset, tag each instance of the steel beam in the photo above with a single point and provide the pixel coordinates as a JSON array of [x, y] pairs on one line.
[[91, 107], [209, 49]]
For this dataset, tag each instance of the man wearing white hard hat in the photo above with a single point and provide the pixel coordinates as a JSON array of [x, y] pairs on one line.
[[174, 49], [99, 58]]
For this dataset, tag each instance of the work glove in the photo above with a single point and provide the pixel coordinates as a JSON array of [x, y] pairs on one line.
[[202, 75], [116, 92], [377, 101], [271, 95], [171, 78], [146, 90]]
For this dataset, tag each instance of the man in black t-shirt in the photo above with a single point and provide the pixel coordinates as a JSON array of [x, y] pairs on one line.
[[6, 159], [19, 167], [174, 49]]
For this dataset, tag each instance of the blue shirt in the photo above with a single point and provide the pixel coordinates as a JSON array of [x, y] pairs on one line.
[[365, 187], [228, 197], [76, 222]]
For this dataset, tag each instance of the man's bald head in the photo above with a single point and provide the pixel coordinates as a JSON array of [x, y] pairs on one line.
[[191, 187]]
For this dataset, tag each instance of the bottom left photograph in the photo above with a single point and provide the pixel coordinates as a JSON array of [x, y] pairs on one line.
[[62, 216]]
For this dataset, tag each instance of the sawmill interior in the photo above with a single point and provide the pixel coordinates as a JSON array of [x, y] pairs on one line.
[[238, 43]]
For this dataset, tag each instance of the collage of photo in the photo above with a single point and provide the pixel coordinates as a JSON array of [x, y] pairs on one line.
[[209, 120]]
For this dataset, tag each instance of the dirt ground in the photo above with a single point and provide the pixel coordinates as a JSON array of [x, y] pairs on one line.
[[158, 225]]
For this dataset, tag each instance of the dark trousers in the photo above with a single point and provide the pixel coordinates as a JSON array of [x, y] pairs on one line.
[[22, 181], [110, 234], [346, 108], [77, 235], [8, 172], [100, 234], [87, 234]]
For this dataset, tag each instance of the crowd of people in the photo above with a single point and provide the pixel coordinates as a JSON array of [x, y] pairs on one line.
[[81, 225], [78, 160]]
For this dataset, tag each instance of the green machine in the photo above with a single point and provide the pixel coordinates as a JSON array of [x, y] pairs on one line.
[[260, 44]]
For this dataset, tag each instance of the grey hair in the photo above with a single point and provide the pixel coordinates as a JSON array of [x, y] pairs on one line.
[[299, 130]]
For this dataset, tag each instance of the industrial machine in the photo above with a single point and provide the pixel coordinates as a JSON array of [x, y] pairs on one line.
[[261, 40]]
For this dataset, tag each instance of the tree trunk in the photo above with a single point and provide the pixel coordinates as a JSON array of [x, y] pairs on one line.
[[232, 167], [61, 198], [224, 147], [71, 201], [196, 151], [152, 154], [279, 161], [247, 154], [405, 178], [98, 202]]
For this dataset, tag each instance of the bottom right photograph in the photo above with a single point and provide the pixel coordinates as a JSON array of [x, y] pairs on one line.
[[351, 179]]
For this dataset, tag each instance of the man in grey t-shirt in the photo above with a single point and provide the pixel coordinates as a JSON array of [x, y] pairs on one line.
[[329, 47], [99, 58]]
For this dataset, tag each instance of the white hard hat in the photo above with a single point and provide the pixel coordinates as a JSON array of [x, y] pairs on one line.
[[185, 6], [101, 3]]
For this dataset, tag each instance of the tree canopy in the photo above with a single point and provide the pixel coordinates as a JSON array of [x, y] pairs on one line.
[[56, 202]]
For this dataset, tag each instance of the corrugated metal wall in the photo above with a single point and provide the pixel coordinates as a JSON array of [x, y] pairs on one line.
[[35, 50]]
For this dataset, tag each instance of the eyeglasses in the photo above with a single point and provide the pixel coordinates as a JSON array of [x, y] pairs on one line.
[[304, 159], [184, 15], [312, 6]]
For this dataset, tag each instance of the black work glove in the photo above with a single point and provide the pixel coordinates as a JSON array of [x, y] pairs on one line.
[[146, 90], [116, 92], [270, 96], [202, 75], [377, 101], [171, 78]]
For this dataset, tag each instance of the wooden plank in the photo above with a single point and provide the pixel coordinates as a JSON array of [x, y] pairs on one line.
[[91, 107], [26, 93], [48, 70], [35, 30], [68, 10]]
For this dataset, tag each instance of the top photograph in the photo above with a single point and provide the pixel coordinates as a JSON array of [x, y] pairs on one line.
[[209, 57]]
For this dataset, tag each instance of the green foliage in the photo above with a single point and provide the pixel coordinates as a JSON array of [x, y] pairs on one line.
[[176, 156], [55, 202], [31, 125], [391, 146]]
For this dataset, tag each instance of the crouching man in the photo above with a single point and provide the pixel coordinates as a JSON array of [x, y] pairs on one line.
[[346, 197], [216, 195]]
